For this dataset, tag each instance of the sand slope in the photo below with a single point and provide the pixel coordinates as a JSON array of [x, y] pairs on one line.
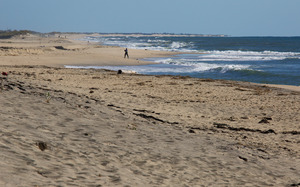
[[104, 129]]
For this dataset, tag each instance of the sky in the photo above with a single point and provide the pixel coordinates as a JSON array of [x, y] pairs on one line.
[[229, 17]]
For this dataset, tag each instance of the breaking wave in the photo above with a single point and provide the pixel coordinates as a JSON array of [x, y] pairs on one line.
[[231, 55]]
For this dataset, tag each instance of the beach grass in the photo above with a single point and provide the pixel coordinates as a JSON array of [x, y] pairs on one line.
[[6, 34]]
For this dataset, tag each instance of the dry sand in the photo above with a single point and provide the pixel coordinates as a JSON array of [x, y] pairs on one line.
[[60, 51], [72, 127]]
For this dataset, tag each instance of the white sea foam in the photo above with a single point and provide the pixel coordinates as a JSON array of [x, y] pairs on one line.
[[156, 41], [137, 43], [246, 56], [177, 45], [172, 68], [193, 65]]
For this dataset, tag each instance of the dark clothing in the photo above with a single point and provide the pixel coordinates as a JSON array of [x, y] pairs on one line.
[[126, 53]]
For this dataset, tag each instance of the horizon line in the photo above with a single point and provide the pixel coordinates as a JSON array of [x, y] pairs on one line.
[[146, 33]]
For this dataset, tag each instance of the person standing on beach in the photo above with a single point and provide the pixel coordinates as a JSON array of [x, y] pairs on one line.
[[126, 53]]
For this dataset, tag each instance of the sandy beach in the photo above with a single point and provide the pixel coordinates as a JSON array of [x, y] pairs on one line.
[[86, 127], [60, 50]]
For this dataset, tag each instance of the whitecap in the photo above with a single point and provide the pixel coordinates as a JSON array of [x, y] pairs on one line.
[[246, 55]]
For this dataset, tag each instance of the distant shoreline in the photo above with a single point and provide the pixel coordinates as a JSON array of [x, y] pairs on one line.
[[160, 35]]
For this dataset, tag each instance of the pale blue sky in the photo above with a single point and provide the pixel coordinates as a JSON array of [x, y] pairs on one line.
[[230, 17]]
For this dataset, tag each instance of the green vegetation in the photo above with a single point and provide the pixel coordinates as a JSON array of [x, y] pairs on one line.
[[6, 34], [48, 97]]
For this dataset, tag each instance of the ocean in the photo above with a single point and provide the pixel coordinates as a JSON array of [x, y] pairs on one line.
[[270, 60]]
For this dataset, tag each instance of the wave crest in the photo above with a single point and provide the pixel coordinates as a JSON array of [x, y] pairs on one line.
[[247, 55]]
